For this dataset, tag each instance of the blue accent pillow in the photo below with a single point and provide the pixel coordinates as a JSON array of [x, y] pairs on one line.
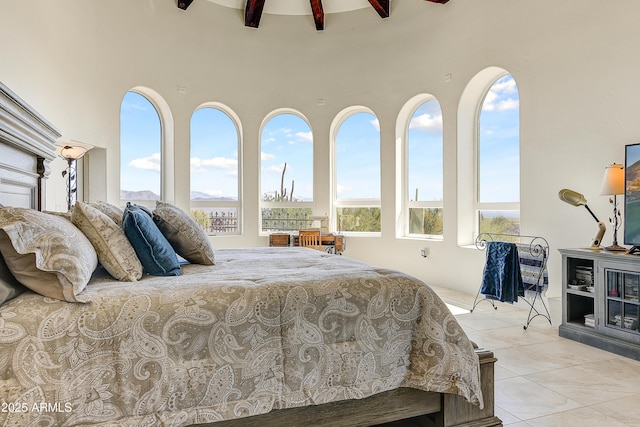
[[154, 251]]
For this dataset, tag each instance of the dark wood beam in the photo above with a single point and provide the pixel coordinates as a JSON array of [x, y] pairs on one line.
[[438, 1], [318, 14], [381, 6], [253, 13], [184, 4]]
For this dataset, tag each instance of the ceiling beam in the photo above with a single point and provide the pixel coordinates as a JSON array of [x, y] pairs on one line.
[[438, 1], [184, 4], [381, 6], [253, 13], [318, 14]]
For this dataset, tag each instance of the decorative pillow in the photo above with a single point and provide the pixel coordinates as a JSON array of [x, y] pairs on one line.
[[154, 251], [113, 212], [65, 215], [184, 234], [115, 253], [9, 285], [46, 253]]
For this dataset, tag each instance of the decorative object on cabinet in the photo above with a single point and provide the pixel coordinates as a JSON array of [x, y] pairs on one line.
[[613, 185], [71, 151], [280, 239], [576, 199], [607, 315], [532, 255], [331, 243]]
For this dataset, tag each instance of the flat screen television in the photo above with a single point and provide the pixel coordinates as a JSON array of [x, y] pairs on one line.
[[631, 212]]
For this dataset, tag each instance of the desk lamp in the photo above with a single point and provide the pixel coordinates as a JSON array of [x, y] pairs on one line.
[[577, 199]]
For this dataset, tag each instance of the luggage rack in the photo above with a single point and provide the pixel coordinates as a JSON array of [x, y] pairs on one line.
[[533, 252]]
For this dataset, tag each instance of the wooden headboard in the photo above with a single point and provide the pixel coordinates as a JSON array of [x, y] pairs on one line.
[[27, 145]]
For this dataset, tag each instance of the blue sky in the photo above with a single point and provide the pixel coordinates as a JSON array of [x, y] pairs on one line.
[[288, 138], [425, 153], [500, 143]]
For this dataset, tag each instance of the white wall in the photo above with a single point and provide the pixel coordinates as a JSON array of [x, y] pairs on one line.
[[576, 64]]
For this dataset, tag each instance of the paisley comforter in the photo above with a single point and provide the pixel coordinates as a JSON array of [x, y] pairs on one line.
[[264, 328]]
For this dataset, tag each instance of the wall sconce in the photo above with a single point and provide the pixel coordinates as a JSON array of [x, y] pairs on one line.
[[71, 151], [612, 185]]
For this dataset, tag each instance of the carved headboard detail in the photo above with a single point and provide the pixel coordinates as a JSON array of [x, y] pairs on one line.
[[27, 145]]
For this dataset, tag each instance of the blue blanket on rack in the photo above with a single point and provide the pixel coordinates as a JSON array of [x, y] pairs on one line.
[[502, 278]]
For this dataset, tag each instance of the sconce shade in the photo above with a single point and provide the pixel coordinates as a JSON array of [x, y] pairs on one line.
[[613, 180], [72, 150]]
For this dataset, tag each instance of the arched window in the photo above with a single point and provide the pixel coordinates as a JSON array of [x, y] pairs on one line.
[[498, 159], [215, 182], [286, 172], [140, 149], [423, 200], [356, 169]]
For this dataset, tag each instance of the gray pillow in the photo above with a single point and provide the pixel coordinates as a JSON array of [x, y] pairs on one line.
[[184, 234]]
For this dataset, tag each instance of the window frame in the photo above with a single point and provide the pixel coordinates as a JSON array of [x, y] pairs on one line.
[[167, 163], [337, 203], [480, 206], [283, 204], [237, 204], [404, 121], [468, 127]]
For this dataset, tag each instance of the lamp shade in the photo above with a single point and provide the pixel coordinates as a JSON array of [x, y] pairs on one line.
[[572, 197], [72, 150], [613, 180]]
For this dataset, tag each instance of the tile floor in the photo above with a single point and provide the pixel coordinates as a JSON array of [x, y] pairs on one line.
[[543, 380]]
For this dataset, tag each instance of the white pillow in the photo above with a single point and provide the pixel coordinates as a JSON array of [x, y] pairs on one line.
[[114, 251], [46, 253]]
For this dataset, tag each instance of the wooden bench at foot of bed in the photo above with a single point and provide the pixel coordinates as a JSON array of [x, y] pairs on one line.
[[414, 407]]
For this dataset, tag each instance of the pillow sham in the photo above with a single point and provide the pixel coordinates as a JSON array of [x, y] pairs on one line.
[[183, 232], [112, 211], [46, 253], [154, 251], [114, 251]]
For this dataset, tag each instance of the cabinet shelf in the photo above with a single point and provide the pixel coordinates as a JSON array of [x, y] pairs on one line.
[[608, 317]]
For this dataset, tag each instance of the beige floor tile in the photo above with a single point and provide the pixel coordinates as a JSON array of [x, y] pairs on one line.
[[544, 380], [595, 382], [581, 417], [624, 410], [526, 400], [480, 322], [547, 356], [506, 417]]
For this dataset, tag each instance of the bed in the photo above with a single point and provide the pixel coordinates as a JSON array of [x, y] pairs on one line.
[[264, 336]]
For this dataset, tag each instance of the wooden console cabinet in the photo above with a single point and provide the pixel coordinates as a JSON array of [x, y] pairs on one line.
[[600, 300]]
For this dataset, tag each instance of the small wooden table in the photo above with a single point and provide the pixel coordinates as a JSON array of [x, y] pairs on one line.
[[332, 243]]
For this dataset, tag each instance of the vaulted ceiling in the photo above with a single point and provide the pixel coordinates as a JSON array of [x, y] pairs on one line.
[[253, 10]]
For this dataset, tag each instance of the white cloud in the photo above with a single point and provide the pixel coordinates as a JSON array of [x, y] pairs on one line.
[[508, 104], [426, 122], [216, 162], [498, 96], [266, 156], [151, 163], [276, 168], [305, 136], [376, 124], [341, 189]]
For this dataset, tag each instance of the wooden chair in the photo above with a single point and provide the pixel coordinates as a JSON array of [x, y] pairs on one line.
[[310, 239]]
